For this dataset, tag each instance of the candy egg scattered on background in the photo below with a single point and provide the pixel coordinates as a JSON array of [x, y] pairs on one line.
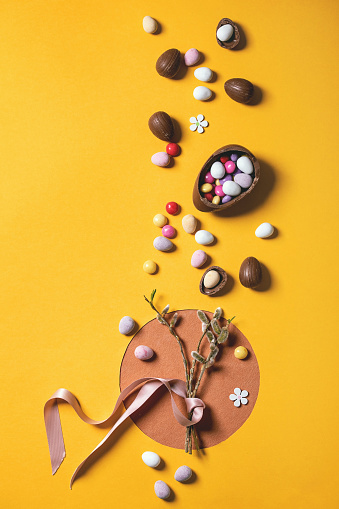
[[149, 25], [202, 93], [192, 57], [189, 223], [204, 237], [168, 231], [143, 353], [240, 352], [172, 208], [203, 73], [126, 325], [183, 473], [162, 244], [173, 149], [161, 159], [151, 459], [199, 257], [264, 230], [160, 220], [150, 267], [162, 490]]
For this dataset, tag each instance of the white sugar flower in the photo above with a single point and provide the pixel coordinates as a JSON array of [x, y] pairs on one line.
[[239, 397], [198, 123]]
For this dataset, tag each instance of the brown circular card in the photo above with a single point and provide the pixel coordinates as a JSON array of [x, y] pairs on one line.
[[221, 418]]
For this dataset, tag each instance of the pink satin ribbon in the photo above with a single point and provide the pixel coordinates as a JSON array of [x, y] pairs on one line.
[[151, 385]]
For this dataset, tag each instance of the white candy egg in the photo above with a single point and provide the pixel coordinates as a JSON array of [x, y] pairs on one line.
[[203, 73], [225, 32], [202, 93], [244, 164], [151, 459], [204, 237], [231, 188], [149, 25], [217, 170], [264, 230]]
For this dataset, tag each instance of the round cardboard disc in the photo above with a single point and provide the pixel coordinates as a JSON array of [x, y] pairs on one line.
[[221, 418]]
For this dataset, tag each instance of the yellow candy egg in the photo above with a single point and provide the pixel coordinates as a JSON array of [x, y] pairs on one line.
[[206, 188], [241, 352], [150, 267], [216, 200], [217, 182], [160, 220]]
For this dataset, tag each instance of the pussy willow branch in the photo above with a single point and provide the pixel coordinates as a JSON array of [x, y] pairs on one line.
[[194, 363], [172, 331]]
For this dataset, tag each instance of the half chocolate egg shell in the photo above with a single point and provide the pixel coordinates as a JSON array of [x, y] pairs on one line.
[[199, 200], [218, 286], [234, 40]]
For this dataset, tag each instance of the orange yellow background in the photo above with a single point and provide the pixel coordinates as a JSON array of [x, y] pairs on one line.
[[78, 194]]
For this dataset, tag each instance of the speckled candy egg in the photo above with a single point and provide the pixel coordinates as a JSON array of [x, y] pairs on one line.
[[143, 352], [162, 244], [183, 474], [192, 57], [189, 223], [151, 459], [126, 325], [204, 237], [161, 159], [162, 490], [244, 180], [203, 73], [199, 257]]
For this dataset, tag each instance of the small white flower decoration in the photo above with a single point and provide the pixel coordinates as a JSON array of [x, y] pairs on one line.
[[239, 397], [198, 123]]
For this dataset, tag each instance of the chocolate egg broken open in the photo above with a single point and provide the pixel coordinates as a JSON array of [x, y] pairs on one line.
[[213, 275], [245, 165], [234, 38]]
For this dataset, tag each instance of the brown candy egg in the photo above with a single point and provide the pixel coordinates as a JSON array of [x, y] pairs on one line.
[[168, 63], [250, 274], [234, 39], [239, 89], [161, 125], [211, 275]]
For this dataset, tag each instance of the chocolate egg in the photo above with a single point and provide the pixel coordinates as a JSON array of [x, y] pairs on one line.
[[220, 284], [199, 199], [161, 125], [168, 64], [239, 89], [234, 39], [250, 274]]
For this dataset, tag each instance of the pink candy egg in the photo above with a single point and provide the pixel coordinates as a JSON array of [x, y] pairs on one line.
[[219, 191], [160, 159], [143, 353], [230, 166], [208, 178], [192, 57], [199, 257], [168, 231], [244, 180]]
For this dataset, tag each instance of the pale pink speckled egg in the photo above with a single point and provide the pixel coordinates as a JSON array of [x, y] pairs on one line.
[[198, 258], [192, 57], [143, 353], [161, 159], [162, 490]]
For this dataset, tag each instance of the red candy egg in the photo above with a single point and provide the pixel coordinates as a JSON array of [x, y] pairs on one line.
[[173, 149], [223, 159], [172, 208], [209, 196]]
